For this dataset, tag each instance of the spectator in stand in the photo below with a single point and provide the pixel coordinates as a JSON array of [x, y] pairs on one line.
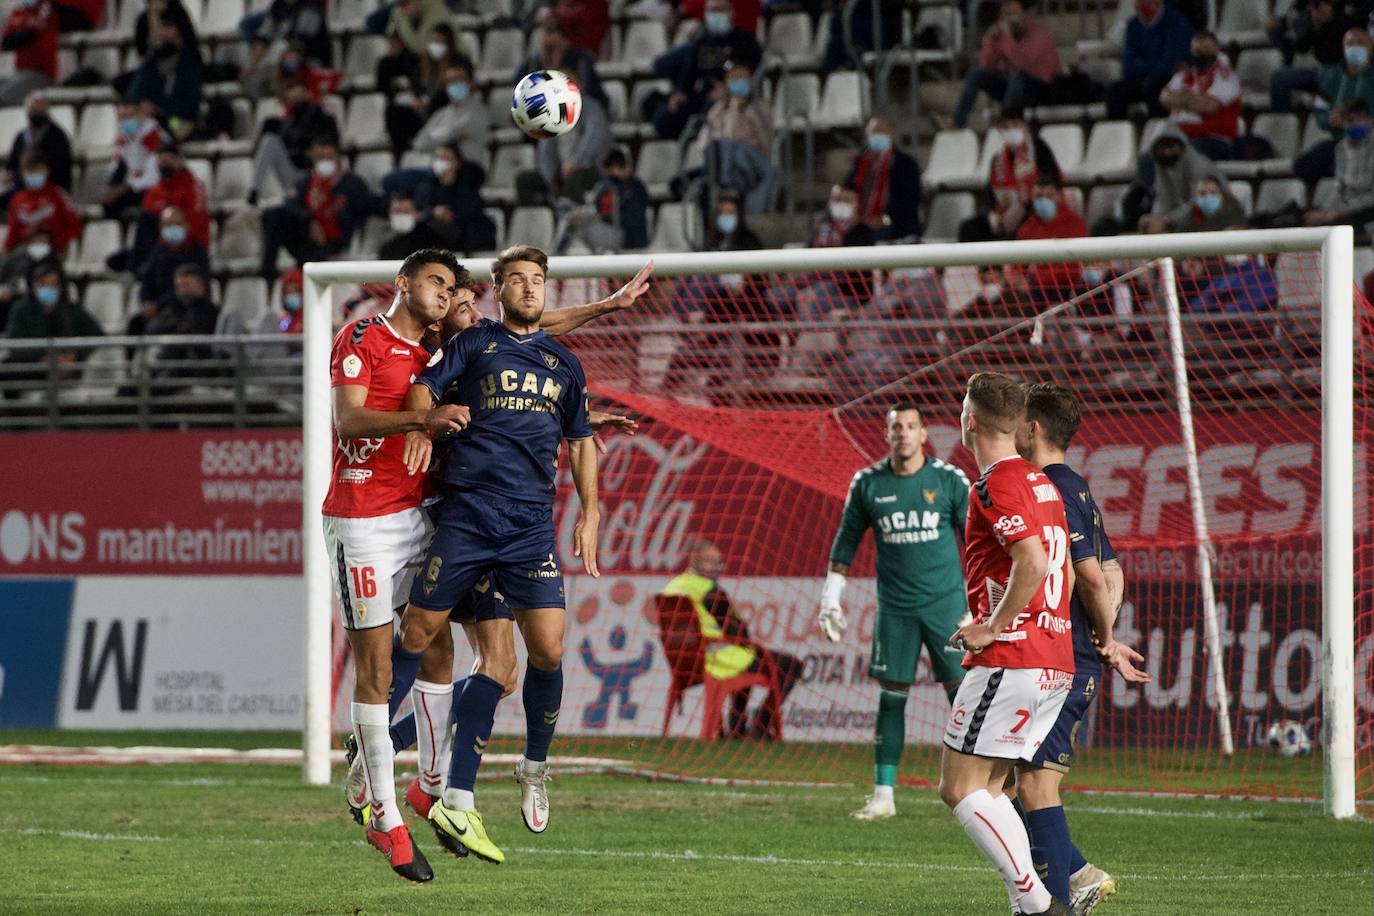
[[178, 187], [697, 65], [409, 231], [18, 265], [888, 181], [1315, 27], [44, 135], [47, 311], [1203, 99], [318, 221], [1158, 39], [148, 26], [1012, 177], [138, 137], [867, 33], [819, 295], [464, 119], [173, 249], [1353, 201], [578, 150], [80, 15], [171, 79], [1353, 78], [1235, 284], [408, 32], [41, 203], [1051, 217], [284, 147], [31, 32], [1166, 179], [738, 139], [403, 121], [450, 201], [1017, 62], [585, 22], [285, 21], [1212, 209], [288, 319], [183, 310], [746, 13], [617, 217]]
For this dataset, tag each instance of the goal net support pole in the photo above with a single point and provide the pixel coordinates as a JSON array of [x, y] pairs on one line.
[[1337, 421]]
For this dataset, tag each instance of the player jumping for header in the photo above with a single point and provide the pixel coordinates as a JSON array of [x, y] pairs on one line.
[[916, 507], [1019, 657]]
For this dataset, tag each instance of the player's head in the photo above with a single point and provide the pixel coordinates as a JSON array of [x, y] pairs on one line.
[[426, 283], [993, 407], [518, 274], [189, 283], [707, 560], [1053, 416], [906, 430], [462, 306]]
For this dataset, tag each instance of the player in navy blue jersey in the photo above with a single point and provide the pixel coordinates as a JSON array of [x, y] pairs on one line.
[[526, 394], [1052, 418]]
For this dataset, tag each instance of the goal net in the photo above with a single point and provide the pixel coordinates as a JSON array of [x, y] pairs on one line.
[[1226, 437]]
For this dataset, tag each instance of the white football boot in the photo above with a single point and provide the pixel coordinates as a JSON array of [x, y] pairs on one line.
[[1088, 887], [875, 809], [534, 797]]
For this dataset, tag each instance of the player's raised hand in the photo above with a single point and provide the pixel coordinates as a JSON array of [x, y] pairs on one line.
[[1123, 659], [832, 620], [446, 418], [417, 451], [627, 294], [600, 420], [584, 542]]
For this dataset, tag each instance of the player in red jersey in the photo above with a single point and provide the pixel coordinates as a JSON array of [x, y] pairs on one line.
[[1019, 649]]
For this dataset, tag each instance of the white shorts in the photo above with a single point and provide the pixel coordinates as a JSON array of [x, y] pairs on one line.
[[374, 561], [1005, 712]]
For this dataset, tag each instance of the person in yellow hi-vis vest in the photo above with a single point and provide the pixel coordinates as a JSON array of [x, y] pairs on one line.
[[731, 652]]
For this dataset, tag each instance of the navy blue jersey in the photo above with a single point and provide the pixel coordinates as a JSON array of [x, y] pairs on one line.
[[526, 393], [1087, 540]]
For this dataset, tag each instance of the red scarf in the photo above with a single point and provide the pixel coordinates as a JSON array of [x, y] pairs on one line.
[[873, 188], [1014, 169]]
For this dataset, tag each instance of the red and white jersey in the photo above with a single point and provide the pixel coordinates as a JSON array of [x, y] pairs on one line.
[[370, 476], [1221, 83], [1014, 500]]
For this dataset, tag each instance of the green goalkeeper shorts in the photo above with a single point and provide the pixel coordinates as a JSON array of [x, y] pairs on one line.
[[897, 641]]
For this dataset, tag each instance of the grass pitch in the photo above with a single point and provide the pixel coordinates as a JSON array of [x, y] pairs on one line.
[[209, 839]]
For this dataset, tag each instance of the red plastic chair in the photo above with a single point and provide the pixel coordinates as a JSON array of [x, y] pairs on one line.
[[718, 690], [680, 635]]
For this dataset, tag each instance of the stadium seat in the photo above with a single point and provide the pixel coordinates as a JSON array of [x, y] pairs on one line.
[[12, 121], [64, 116], [95, 133], [1324, 195], [100, 239], [532, 226], [1244, 22], [372, 167], [640, 90], [1101, 201], [953, 161], [961, 284], [348, 14], [90, 185], [1153, 128], [369, 241], [796, 100], [1254, 69], [104, 59], [644, 39], [672, 231], [221, 18], [240, 237], [1276, 193], [360, 61], [1312, 134], [502, 50], [843, 100], [365, 123], [508, 162], [946, 23], [790, 37], [657, 165], [1066, 142], [203, 170], [1244, 193], [947, 211], [617, 98], [233, 180], [246, 299], [104, 299], [1281, 130], [1111, 151], [104, 370]]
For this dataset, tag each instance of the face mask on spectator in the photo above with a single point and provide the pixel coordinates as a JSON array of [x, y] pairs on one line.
[[1357, 55], [1148, 11], [880, 143], [1013, 136], [1168, 160], [1357, 132], [174, 235], [326, 168], [1209, 204], [37, 251], [841, 211], [39, 120], [1092, 275], [47, 296], [291, 302], [402, 222], [1045, 208], [27, 4], [740, 88], [718, 23], [727, 223], [458, 91], [168, 50], [437, 50], [1203, 61], [439, 166], [35, 180], [167, 171], [128, 127]]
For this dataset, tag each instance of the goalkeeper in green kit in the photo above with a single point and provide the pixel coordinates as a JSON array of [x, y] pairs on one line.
[[916, 506]]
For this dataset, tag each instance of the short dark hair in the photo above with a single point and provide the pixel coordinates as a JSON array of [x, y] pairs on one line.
[[615, 156], [902, 406], [189, 270], [403, 195], [999, 399], [1208, 34], [418, 259], [33, 159], [518, 253], [1056, 409], [325, 138], [463, 279], [1049, 180]]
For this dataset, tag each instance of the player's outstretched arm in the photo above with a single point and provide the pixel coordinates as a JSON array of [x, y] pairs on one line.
[[600, 420], [1028, 566], [564, 320], [582, 458], [353, 420], [436, 421]]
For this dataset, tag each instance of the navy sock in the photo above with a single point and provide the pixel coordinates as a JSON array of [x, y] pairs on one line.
[[403, 734], [1050, 844], [405, 667], [1076, 860], [543, 695], [475, 710]]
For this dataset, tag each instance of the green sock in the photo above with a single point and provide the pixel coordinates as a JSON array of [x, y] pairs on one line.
[[890, 737]]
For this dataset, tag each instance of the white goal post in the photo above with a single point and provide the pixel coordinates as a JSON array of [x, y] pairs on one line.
[[1334, 244]]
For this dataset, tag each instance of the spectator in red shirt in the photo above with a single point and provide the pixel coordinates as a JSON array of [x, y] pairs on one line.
[[317, 222], [138, 137], [178, 187], [585, 22], [1051, 217], [1204, 99], [44, 135], [1012, 175], [41, 203], [31, 32], [1017, 62]]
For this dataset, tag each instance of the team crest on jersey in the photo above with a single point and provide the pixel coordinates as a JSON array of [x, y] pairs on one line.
[[433, 360], [550, 360], [930, 495], [491, 348], [352, 366]]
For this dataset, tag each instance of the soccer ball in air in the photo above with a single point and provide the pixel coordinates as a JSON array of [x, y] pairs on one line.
[[1289, 739], [546, 103]]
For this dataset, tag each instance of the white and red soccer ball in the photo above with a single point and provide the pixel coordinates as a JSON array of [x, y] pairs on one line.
[[546, 104]]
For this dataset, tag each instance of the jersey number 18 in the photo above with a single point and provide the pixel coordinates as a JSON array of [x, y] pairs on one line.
[[1058, 543]]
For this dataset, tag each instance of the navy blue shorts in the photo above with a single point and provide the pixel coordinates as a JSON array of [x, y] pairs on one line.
[[482, 603], [483, 536], [1056, 751]]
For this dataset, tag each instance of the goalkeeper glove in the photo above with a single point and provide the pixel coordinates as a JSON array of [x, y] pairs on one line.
[[832, 618]]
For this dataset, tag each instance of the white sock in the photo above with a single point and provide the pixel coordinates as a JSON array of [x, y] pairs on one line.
[[432, 703], [459, 799], [371, 725], [531, 766], [882, 793], [1000, 836]]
